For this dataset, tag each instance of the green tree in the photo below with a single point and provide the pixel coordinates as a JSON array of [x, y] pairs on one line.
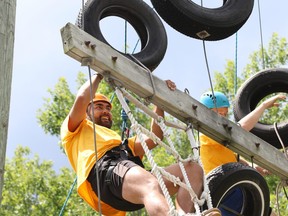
[[275, 55], [32, 187], [272, 57]]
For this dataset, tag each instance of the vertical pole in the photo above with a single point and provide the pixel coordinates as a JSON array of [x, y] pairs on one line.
[[7, 30]]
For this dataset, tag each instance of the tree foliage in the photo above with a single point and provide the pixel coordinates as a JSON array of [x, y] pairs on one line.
[[55, 108], [274, 56], [32, 187]]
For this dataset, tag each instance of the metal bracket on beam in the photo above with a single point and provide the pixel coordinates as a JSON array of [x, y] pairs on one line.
[[87, 61]]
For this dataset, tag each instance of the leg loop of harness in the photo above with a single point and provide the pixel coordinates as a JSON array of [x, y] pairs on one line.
[[115, 155]]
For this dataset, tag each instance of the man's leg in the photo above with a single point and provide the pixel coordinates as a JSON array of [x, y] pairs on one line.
[[141, 187], [195, 175]]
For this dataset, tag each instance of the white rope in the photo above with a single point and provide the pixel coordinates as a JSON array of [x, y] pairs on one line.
[[280, 140], [188, 187], [147, 152], [158, 171], [149, 111], [195, 147], [159, 142]]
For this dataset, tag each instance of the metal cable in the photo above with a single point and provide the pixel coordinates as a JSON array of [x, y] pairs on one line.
[[95, 143], [209, 74], [236, 64], [261, 35]]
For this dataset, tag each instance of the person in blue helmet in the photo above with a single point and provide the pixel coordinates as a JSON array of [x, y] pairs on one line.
[[219, 103]]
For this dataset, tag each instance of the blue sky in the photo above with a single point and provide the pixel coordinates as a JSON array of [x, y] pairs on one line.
[[39, 61]]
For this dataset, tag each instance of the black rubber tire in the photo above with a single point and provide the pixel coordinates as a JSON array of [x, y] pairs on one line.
[[142, 18], [193, 20], [255, 191], [250, 94]]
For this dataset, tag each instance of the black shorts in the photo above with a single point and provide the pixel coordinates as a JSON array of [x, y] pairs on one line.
[[111, 174]]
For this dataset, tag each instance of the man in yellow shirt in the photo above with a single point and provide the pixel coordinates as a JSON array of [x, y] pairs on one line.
[[212, 153], [124, 184]]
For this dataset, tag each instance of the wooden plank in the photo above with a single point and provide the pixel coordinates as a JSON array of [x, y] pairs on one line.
[[110, 63], [7, 29]]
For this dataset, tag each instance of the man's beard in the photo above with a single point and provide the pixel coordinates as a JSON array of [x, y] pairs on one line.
[[107, 122]]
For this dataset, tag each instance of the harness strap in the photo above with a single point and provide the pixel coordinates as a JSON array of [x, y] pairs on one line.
[[115, 155]]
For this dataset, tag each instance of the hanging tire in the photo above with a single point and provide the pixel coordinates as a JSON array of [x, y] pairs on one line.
[[140, 16], [235, 187], [251, 92], [199, 22]]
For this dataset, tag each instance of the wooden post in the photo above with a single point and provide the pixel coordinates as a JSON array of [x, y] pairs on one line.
[[125, 72], [7, 30]]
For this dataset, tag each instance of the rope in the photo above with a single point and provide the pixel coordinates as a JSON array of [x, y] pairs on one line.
[[206, 191], [67, 198], [160, 172], [195, 147], [95, 143], [125, 130], [283, 184], [280, 140], [83, 12], [94, 128], [188, 185], [125, 38], [209, 74], [136, 45], [236, 64], [94, 138], [261, 35], [277, 197], [146, 150]]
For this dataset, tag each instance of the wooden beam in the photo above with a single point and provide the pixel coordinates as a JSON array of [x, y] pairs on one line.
[[110, 63], [7, 29]]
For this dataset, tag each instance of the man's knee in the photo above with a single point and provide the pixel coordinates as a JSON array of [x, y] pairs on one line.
[[153, 184], [194, 168]]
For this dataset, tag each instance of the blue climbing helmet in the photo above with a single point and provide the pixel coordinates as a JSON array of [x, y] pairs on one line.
[[221, 100]]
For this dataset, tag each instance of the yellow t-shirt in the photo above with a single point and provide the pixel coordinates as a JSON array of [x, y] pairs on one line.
[[79, 147], [213, 154]]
